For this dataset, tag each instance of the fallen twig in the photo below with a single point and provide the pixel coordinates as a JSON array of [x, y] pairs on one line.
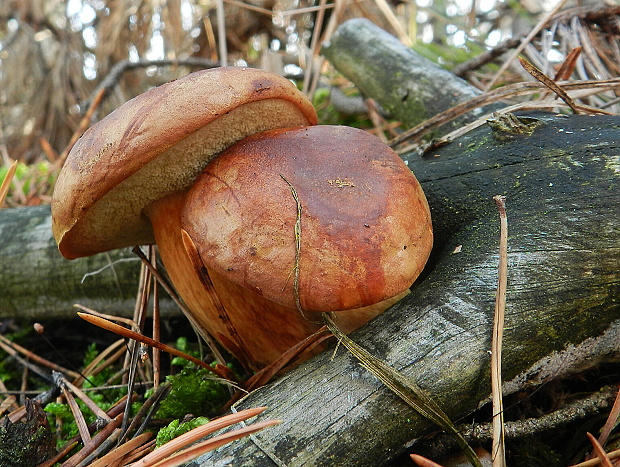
[[499, 449]]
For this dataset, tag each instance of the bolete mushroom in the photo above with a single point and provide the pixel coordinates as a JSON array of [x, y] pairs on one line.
[[280, 226], [315, 219]]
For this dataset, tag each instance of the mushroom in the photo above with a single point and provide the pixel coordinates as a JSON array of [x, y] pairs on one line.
[[134, 165], [315, 219], [288, 221]]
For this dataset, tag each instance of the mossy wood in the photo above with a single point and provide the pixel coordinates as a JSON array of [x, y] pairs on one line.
[[562, 190], [36, 282], [410, 87]]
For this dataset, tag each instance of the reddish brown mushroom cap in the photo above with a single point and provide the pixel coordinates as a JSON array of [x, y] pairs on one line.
[[366, 231], [156, 144]]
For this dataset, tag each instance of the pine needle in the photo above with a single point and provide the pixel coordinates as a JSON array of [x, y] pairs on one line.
[[552, 85], [6, 183], [403, 387]]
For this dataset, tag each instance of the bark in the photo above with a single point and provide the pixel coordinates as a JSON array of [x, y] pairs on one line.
[[37, 282], [563, 315], [410, 87]]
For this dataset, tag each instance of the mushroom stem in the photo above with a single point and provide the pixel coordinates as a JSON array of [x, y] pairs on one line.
[[252, 328]]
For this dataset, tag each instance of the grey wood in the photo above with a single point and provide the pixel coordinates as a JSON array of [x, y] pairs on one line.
[[36, 282]]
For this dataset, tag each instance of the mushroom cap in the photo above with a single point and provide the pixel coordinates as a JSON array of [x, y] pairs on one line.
[[156, 144], [365, 228]]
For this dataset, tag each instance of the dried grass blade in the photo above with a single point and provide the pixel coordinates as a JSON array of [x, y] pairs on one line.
[[594, 462], [310, 68], [499, 448], [544, 79], [214, 443], [221, 32], [94, 367], [265, 375], [512, 90], [103, 448], [197, 433], [394, 22], [47, 148], [403, 387], [6, 183], [103, 434], [13, 349], [138, 453], [147, 409], [118, 319], [9, 402], [199, 329], [115, 412]]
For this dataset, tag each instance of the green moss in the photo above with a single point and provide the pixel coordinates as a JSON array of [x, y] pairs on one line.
[[448, 56], [193, 392], [177, 428]]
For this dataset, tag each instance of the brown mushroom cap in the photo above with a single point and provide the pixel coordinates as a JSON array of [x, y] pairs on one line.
[[366, 231], [156, 144]]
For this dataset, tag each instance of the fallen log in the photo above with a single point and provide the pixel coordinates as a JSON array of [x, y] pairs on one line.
[[410, 87], [563, 314], [36, 282]]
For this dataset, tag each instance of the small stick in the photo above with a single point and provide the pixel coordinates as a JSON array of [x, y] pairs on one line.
[[156, 336], [594, 462], [94, 442], [498, 452], [49, 151], [511, 90], [62, 382], [170, 291], [221, 32], [77, 414]]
